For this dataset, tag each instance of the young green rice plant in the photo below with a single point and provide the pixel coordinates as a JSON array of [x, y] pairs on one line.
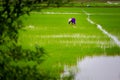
[[64, 43]]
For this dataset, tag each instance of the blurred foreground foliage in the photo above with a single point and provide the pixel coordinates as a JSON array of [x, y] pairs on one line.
[[17, 63], [21, 64]]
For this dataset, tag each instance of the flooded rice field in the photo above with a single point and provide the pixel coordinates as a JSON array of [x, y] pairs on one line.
[[95, 68]]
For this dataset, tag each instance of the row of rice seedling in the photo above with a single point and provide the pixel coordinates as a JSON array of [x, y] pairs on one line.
[[64, 43], [110, 22]]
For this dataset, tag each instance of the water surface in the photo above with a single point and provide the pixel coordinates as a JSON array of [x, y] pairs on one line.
[[98, 68]]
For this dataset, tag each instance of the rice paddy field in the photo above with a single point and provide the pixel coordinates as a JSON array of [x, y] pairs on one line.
[[97, 32]]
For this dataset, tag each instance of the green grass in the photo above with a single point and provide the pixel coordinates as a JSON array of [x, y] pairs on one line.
[[65, 44], [108, 18]]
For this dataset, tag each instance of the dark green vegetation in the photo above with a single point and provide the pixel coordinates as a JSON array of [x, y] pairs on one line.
[[17, 63], [66, 43]]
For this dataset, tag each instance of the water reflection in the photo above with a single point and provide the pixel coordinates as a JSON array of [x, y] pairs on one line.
[[99, 68]]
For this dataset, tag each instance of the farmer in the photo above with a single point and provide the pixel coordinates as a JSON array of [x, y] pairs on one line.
[[72, 20]]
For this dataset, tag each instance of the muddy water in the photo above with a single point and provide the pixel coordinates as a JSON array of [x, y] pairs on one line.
[[98, 68]]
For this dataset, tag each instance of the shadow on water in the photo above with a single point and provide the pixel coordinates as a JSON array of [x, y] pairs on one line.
[[94, 68]]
